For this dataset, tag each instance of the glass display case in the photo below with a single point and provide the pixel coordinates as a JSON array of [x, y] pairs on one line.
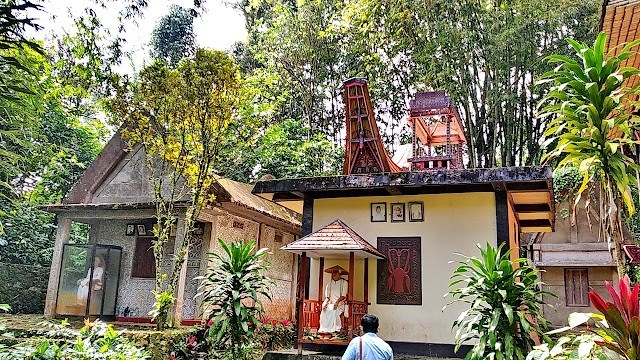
[[89, 278]]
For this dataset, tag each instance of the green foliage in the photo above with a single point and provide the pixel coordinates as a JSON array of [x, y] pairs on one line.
[[24, 287], [173, 37], [504, 305], [416, 45], [616, 334], [164, 300], [275, 335], [232, 293], [566, 182], [591, 124], [95, 341], [181, 118], [284, 151]]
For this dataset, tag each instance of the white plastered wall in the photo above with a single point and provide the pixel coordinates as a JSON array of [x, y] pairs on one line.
[[452, 223]]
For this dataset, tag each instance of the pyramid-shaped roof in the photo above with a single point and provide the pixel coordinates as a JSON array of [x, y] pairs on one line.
[[334, 241]]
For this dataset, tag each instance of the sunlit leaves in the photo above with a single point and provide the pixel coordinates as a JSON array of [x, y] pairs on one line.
[[504, 297], [181, 119], [592, 125]]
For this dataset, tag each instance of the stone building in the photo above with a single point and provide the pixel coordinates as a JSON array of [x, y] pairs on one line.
[[115, 199]]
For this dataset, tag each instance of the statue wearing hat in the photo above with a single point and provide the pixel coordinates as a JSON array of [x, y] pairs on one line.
[[335, 301]]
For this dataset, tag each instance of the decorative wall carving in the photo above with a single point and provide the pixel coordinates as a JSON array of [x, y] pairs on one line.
[[399, 275]]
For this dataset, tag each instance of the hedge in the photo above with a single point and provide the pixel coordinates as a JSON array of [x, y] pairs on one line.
[[23, 287]]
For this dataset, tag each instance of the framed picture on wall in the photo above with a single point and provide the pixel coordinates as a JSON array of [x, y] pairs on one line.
[[416, 211], [131, 230], [142, 230], [397, 212], [378, 212]]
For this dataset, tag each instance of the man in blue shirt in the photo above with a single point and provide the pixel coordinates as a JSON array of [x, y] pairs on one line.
[[373, 348]]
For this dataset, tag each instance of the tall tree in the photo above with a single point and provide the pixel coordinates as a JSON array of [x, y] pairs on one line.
[[485, 53], [180, 117], [173, 37]]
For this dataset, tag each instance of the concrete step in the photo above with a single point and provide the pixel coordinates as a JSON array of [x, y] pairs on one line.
[[314, 355]]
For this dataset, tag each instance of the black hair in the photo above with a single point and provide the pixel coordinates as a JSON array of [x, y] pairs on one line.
[[369, 323]]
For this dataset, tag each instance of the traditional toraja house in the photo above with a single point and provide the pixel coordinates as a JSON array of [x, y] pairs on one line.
[[575, 260], [396, 229], [115, 199]]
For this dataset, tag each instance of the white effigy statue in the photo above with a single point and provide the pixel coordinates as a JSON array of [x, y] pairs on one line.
[[335, 301]]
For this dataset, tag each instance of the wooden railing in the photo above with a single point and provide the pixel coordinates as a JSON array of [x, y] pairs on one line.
[[358, 310], [311, 314], [311, 310]]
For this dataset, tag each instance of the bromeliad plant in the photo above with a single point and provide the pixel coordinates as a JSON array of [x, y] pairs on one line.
[[505, 302], [592, 122], [232, 293]]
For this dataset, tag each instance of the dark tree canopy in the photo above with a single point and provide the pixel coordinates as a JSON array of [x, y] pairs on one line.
[[173, 37]]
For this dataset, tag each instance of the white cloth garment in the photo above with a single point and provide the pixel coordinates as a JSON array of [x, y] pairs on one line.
[[330, 317], [83, 288]]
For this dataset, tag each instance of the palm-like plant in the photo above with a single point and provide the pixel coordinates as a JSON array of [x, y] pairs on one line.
[[231, 293], [592, 124], [504, 299]]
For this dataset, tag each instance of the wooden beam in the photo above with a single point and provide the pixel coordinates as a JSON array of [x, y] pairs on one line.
[[528, 186], [535, 223], [350, 293], [393, 190], [523, 208], [366, 280], [502, 220], [307, 216], [301, 290], [321, 280]]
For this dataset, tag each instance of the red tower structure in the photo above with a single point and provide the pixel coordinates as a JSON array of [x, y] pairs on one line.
[[364, 151], [438, 134]]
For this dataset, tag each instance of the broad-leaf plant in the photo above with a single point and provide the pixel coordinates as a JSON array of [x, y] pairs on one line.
[[592, 124], [616, 334], [505, 301], [232, 293]]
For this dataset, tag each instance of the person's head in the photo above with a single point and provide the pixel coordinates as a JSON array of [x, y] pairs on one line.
[[97, 262], [335, 275], [378, 209], [369, 323]]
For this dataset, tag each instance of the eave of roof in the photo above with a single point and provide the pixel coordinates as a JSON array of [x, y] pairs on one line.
[[620, 20], [332, 240], [540, 175], [529, 188], [241, 195]]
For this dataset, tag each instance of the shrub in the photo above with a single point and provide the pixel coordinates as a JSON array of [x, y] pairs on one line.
[[231, 291], [503, 298], [96, 341], [275, 335], [617, 329]]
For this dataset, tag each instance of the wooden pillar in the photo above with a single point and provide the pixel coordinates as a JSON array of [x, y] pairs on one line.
[[448, 135], [321, 280], [63, 233], [303, 285], [350, 293], [366, 281]]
